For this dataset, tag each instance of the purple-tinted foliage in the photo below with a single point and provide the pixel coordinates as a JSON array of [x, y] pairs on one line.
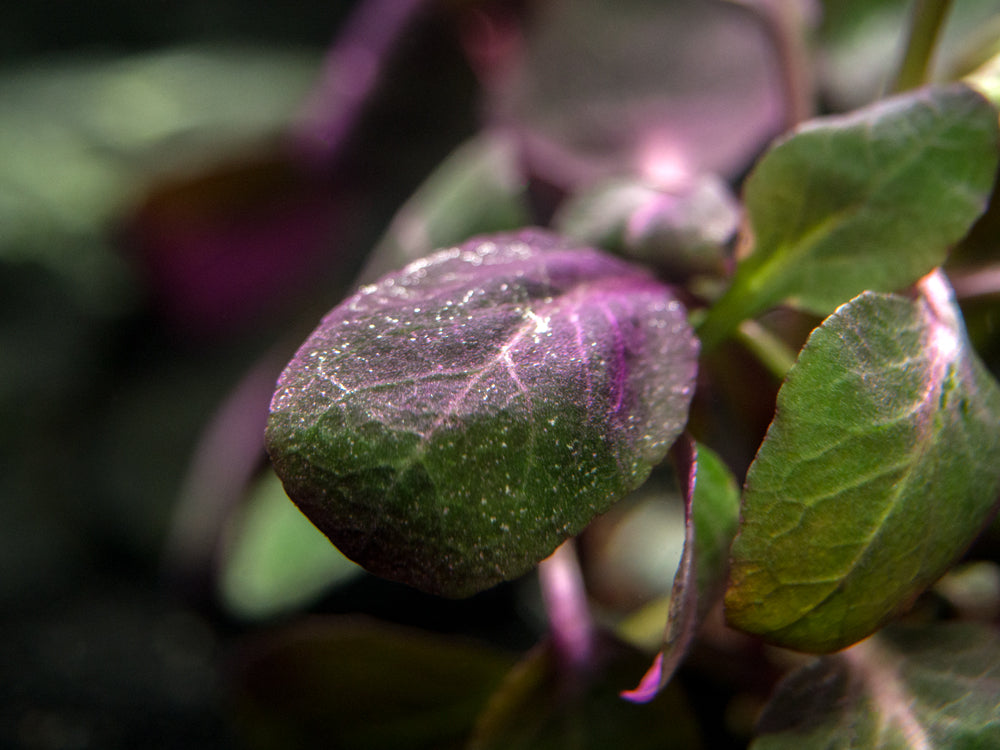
[[450, 425], [223, 248], [666, 90]]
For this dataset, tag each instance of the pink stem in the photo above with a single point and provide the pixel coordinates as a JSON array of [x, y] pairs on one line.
[[565, 600], [350, 74]]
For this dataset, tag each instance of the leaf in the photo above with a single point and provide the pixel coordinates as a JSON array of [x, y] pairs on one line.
[[76, 136], [540, 706], [868, 201], [711, 510], [879, 469], [449, 426], [682, 230], [361, 684], [276, 560], [910, 688], [607, 84]]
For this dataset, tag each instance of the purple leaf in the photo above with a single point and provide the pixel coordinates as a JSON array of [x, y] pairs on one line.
[[450, 425]]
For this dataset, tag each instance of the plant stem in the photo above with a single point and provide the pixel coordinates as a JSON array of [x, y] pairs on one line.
[[351, 72], [724, 317], [565, 598], [770, 350], [926, 22]]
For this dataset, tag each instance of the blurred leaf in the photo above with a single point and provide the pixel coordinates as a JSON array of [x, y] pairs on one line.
[[682, 230], [973, 590], [860, 43], [451, 425], [927, 687], [878, 471], [542, 706], [364, 685], [227, 246], [478, 189], [632, 551], [639, 85], [868, 201], [711, 504], [277, 560], [80, 138]]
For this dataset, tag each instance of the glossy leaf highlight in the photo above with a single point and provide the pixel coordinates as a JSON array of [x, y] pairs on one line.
[[879, 469], [449, 426], [871, 200]]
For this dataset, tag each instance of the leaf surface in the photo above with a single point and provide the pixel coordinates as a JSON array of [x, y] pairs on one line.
[[909, 688], [449, 426], [711, 510], [880, 467], [867, 201]]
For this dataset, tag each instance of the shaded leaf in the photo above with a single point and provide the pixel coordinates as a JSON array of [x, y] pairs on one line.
[[276, 560], [449, 426], [878, 471], [359, 684], [867, 201], [540, 706], [711, 505], [479, 188], [910, 688]]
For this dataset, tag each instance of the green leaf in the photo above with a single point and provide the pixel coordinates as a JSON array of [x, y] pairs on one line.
[[77, 138], [933, 687], [543, 706], [364, 685], [711, 510], [879, 469], [870, 201], [451, 425], [276, 560]]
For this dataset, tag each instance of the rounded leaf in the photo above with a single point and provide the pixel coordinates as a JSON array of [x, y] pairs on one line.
[[450, 425]]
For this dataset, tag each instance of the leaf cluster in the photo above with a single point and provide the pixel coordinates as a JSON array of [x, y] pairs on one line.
[[506, 379]]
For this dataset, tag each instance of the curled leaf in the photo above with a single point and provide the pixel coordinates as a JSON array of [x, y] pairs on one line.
[[711, 509], [450, 425]]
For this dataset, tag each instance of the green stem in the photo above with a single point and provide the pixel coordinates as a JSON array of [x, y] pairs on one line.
[[769, 349], [725, 316], [926, 22]]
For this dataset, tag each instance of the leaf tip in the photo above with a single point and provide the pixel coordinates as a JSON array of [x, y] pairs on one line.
[[649, 685]]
